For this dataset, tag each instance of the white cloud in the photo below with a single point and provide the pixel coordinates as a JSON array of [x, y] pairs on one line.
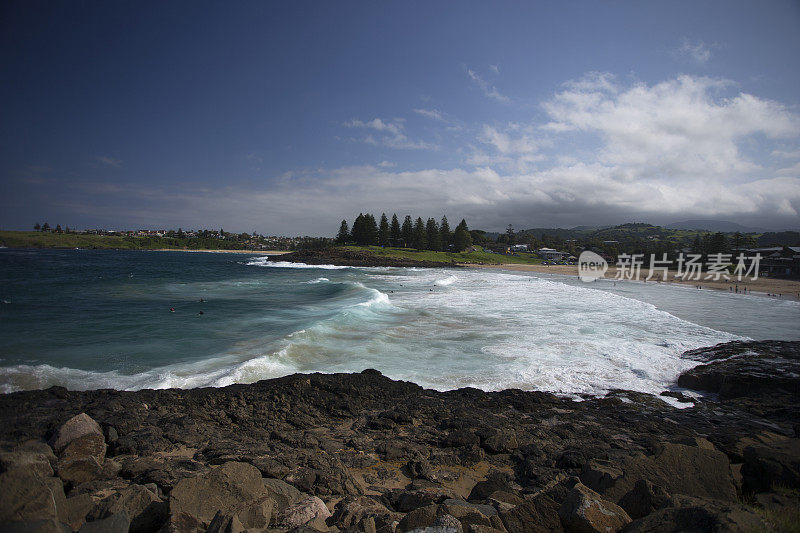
[[487, 88], [390, 134], [108, 161], [433, 114], [698, 51], [676, 130]]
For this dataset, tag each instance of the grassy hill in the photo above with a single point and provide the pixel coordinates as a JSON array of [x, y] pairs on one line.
[[445, 257], [43, 239]]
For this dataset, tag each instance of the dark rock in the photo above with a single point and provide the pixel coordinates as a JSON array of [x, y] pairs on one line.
[[495, 481], [76, 427], [310, 511], [644, 498], [501, 442], [116, 523], [36, 526], [76, 470], [693, 514], [679, 469], [194, 502], [767, 466], [354, 513], [584, 510], [538, 515], [146, 511], [28, 497], [30, 461], [418, 518]]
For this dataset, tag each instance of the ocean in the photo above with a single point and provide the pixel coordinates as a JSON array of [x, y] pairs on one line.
[[89, 319]]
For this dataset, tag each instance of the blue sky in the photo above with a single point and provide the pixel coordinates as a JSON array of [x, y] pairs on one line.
[[285, 117]]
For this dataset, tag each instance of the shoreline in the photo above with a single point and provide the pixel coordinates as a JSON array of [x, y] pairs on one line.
[[362, 452], [789, 289]]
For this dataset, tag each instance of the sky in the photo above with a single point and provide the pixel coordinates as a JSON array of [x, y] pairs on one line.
[[284, 117]]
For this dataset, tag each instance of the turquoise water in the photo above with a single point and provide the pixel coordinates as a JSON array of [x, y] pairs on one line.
[[94, 319]]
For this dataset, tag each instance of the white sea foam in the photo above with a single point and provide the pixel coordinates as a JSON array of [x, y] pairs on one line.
[[482, 329], [265, 262], [315, 281]]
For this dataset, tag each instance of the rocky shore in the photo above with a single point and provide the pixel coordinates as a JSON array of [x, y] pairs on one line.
[[338, 256], [361, 452]]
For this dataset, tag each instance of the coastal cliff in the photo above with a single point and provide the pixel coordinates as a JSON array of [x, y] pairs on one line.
[[361, 452]]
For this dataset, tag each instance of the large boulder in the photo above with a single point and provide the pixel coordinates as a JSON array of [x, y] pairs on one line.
[[355, 513], [694, 514], [194, 502], [26, 496], [776, 464], [310, 511], [679, 469], [74, 428], [146, 510], [31, 461], [585, 511], [644, 498], [533, 516]]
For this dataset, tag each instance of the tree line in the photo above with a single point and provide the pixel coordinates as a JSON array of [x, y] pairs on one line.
[[430, 235]]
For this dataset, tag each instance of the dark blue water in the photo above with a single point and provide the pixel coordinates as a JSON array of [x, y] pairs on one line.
[[94, 319]]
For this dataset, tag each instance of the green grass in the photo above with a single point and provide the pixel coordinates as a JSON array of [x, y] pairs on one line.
[[446, 257], [36, 239]]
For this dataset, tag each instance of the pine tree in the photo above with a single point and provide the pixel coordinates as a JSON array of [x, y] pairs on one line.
[[45, 227], [357, 230], [58, 228], [344, 233], [407, 232], [394, 232], [511, 236], [370, 230], [432, 235], [383, 231], [444, 234], [419, 237], [37, 227], [462, 239]]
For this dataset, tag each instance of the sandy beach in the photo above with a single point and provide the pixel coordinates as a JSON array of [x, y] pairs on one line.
[[786, 288]]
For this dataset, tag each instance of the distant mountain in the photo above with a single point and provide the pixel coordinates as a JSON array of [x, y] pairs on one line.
[[714, 225]]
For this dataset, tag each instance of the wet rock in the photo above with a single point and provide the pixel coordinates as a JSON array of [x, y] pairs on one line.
[[467, 514], [78, 426], [600, 475], [461, 437], [254, 515], [584, 510], [737, 370], [691, 514]]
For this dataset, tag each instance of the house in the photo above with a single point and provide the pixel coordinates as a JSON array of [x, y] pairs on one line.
[[519, 248], [551, 254]]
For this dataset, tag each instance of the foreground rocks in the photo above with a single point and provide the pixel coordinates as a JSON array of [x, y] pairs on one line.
[[360, 452]]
